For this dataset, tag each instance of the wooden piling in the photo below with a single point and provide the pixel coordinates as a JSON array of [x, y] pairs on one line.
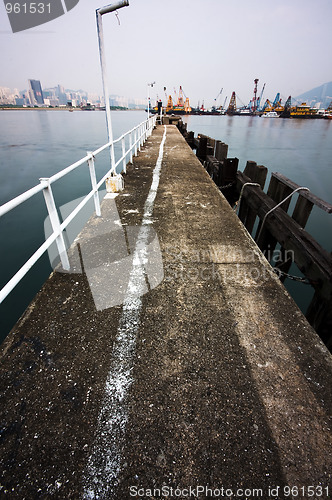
[[202, 149], [221, 150], [279, 227], [255, 173], [227, 171], [319, 315], [311, 259]]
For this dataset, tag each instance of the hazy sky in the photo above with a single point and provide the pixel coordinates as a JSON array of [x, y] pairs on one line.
[[203, 45]]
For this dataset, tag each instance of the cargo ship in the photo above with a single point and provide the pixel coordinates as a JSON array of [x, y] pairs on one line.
[[304, 111]]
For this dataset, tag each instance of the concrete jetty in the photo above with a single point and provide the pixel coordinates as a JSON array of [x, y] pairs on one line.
[[170, 361]]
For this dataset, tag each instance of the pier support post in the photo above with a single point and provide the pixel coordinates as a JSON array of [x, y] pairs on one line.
[[256, 173], [190, 138], [221, 150], [202, 149], [319, 315]]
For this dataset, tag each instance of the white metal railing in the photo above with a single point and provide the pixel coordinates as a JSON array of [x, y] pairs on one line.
[[136, 138]]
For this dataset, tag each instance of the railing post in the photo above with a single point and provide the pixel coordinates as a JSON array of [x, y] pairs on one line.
[[139, 137], [112, 158], [55, 222], [124, 164], [131, 147], [92, 169], [135, 138]]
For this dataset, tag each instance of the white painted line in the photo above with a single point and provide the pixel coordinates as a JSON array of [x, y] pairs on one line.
[[105, 461]]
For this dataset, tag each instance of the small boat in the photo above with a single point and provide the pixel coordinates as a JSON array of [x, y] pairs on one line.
[[271, 114], [245, 112]]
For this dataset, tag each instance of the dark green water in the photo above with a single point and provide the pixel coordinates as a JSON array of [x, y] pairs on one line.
[[36, 144]]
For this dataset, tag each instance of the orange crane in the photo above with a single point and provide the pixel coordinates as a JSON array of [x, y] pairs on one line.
[[181, 104], [187, 107], [169, 104]]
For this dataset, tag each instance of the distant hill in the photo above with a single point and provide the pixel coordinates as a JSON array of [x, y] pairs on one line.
[[319, 95]]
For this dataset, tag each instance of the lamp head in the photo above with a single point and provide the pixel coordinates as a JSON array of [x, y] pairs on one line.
[[112, 7]]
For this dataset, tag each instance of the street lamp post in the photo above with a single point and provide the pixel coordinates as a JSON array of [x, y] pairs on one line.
[[149, 85], [99, 13]]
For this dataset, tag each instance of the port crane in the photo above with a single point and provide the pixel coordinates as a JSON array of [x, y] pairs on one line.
[[267, 106], [255, 94], [259, 100], [285, 111], [277, 101], [169, 104], [180, 102], [232, 105], [186, 105], [254, 103], [215, 100], [273, 106]]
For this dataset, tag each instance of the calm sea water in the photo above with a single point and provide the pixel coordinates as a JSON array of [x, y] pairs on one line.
[[36, 144], [299, 149]]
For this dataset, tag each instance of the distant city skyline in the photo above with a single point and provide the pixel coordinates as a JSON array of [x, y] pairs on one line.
[[58, 95], [203, 46]]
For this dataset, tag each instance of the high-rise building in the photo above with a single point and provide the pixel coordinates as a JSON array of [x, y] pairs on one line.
[[36, 92], [62, 95], [61, 90], [6, 96]]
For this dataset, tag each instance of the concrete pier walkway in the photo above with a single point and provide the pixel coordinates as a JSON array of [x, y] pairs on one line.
[[170, 363]]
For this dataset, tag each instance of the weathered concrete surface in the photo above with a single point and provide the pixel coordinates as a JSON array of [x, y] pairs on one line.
[[230, 386]]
